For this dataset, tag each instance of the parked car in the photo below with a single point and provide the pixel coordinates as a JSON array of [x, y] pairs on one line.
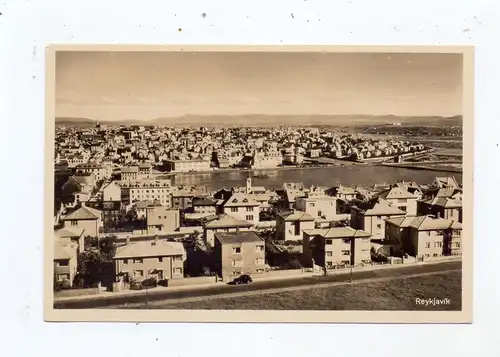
[[149, 283], [242, 279], [135, 285]]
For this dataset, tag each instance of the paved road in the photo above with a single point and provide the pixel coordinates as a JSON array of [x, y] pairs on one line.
[[113, 301]]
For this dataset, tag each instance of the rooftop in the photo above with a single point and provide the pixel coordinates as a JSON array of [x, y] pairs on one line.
[[337, 232], [155, 248], [83, 213], [296, 216], [224, 221], [237, 237]]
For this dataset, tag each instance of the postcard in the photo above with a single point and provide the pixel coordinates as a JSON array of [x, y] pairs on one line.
[[304, 184]]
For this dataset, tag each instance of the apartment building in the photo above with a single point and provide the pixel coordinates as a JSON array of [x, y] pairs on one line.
[[147, 189], [100, 172], [289, 225], [222, 223], [182, 196], [187, 165], [86, 218], [239, 253], [204, 206], [150, 259], [339, 246], [370, 216], [431, 237], [242, 207], [268, 159]]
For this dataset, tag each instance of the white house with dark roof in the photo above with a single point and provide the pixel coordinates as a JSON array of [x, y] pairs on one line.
[[441, 207], [242, 207], [289, 225]]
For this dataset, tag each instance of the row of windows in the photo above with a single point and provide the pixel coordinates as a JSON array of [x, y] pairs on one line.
[[140, 260], [440, 244], [238, 271], [140, 273], [259, 248], [239, 263], [248, 209]]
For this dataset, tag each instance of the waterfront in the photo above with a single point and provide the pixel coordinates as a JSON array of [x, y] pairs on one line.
[[324, 176]]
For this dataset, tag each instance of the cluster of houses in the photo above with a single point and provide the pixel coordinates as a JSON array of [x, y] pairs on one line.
[[202, 149], [337, 226]]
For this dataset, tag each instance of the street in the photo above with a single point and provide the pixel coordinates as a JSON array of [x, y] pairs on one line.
[[155, 295]]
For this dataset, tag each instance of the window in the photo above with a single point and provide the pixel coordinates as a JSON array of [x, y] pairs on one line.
[[329, 254], [329, 264], [260, 248], [457, 233], [125, 261], [320, 213], [379, 217], [346, 241], [63, 263], [438, 244], [249, 209], [346, 252], [428, 233], [138, 273], [236, 263], [328, 242], [346, 262], [177, 258], [236, 250], [427, 244], [177, 270], [259, 261], [74, 223], [379, 226], [249, 217], [160, 259], [137, 260], [435, 255], [234, 209], [457, 244], [259, 270]]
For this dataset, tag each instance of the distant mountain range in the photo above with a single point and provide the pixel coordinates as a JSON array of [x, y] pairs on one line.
[[273, 120]]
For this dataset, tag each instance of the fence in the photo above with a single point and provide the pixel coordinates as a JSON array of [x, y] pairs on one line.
[[76, 292], [192, 281]]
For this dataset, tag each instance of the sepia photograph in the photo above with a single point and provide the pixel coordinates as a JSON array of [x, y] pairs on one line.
[[259, 184]]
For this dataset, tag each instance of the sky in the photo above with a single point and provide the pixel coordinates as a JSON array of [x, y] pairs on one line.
[[147, 85]]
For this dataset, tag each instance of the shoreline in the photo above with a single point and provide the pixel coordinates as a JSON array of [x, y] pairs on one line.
[[423, 168]]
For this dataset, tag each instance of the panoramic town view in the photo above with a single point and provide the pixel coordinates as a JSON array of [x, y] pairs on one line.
[[256, 201]]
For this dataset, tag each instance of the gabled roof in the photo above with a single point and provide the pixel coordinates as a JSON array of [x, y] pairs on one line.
[[226, 221], [69, 232], [240, 199], [237, 237], [381, 207], [444, 202], [447, 192], [83, 213], [428, 223], [401, 222], [449, 181], [397, 192], [158, 248], [337, 232], [201, 201], [296, 216]]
